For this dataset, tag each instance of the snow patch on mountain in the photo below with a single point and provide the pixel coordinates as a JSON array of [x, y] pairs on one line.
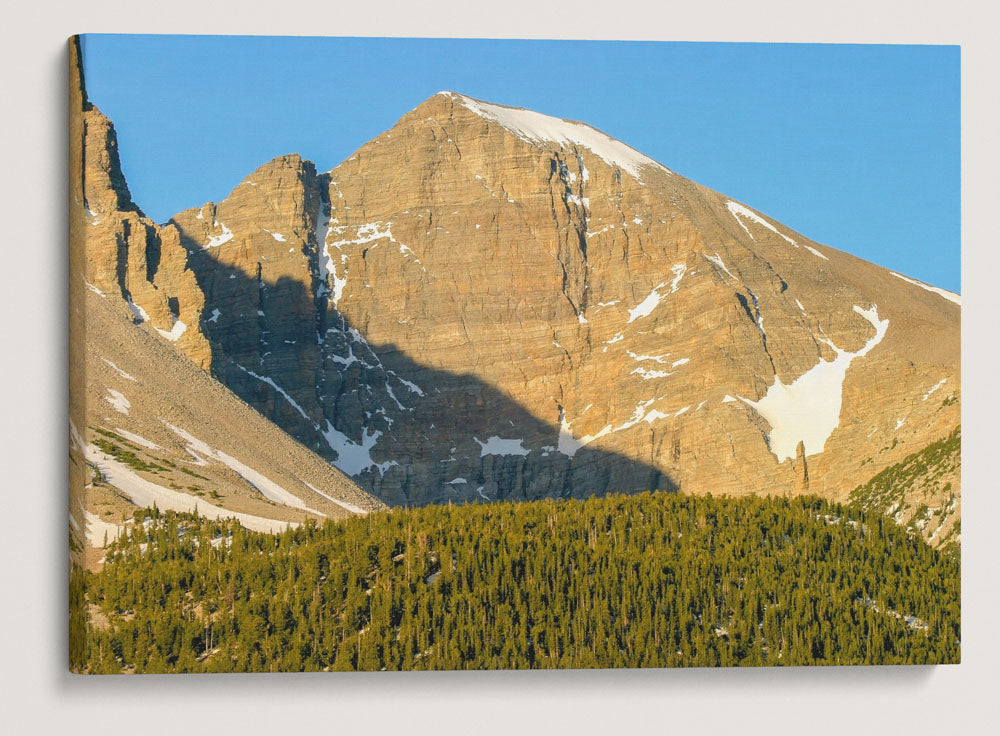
[[75, 440], [808, 409], [99, 531], [496, 446], [651, 302], [214, 241], [118, 401], [370, 232], [657, 358], [147, 494], [267, 487], [949, 295], [413, 388], [569, 444], [534, 127], [174, 333], [815, 252], [353, 458], [139, 312], [92, 287], [648, 374], [738, 210]]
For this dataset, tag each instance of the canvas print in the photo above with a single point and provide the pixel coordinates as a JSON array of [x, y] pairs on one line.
[[423, 354]]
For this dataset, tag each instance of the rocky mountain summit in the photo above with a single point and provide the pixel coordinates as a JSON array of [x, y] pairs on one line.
[[488, 303]]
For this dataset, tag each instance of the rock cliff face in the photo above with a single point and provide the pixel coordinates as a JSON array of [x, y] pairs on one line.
[[487, 303], [127, 254], [147, 426]]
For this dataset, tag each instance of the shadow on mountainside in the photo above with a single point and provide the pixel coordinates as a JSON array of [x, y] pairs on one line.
[[421, 434]]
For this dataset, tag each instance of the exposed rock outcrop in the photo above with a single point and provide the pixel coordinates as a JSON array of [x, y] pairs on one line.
[[147, 425]]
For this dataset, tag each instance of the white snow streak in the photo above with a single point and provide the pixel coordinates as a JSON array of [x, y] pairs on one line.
[[648, 374], [657, 358], [363, 234], [815, 252], [934, 388], [569, 445], [74, 437], [738, 210], [267, 487], [270, 382], [118, 370], [718, 262], [537, 128], [949, 295], [137, 439], [414, 388], [343, 504]]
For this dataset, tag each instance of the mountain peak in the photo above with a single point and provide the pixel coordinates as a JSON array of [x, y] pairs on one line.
[[540, 129], [479, 304]]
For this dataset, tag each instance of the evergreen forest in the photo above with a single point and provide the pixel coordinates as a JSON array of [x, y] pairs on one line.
[[647, 580]]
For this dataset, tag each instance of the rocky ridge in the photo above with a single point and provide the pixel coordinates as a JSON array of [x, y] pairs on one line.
[[147, 425]]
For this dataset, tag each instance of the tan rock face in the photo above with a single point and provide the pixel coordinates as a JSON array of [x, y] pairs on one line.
[[127, 254], [147, 426], [489, 304]]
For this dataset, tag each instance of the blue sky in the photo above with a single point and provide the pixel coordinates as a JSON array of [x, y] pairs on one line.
[[857, 147]]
